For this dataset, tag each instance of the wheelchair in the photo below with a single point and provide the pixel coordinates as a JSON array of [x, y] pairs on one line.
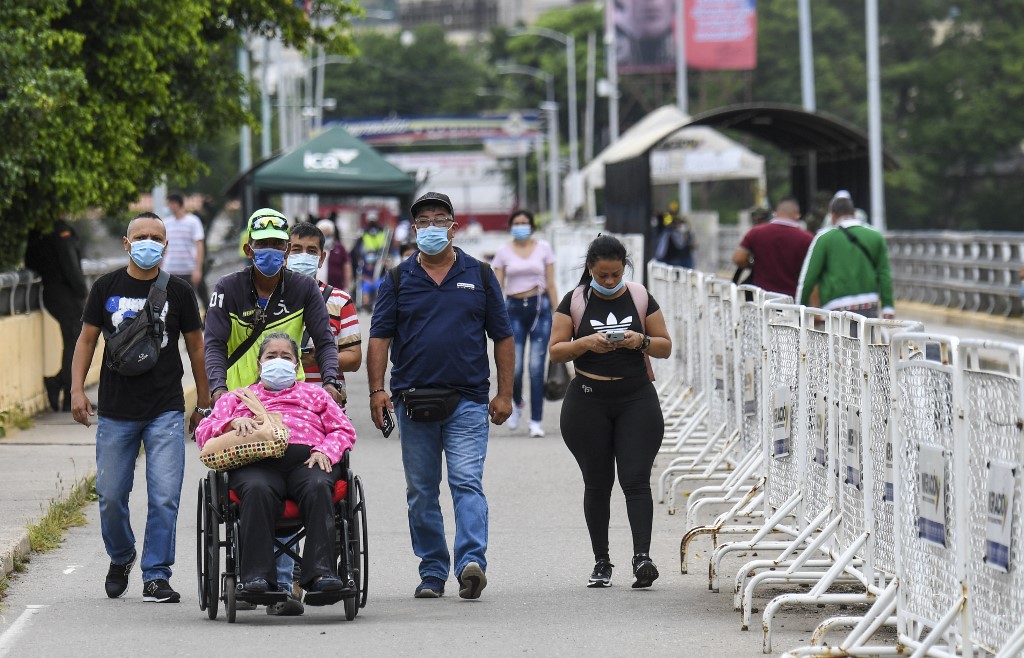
[[218, 506]]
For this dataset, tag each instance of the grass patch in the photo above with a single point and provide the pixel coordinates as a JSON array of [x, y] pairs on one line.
[[14, 417], [65, 512]]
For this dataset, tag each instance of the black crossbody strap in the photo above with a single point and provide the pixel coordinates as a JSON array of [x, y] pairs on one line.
[[860, 245], [257, 329]]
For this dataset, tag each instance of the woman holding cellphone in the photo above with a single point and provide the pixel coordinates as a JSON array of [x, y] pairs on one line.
[[611, 416]]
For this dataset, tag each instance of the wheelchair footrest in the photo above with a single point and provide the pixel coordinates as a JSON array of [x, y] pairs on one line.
[[326, 598], [265, 598]]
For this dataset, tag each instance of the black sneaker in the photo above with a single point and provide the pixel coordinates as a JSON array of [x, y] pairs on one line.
[[117, 577], [644, 571], [159, 591], [602, 574], [431, 587], [472, 581]]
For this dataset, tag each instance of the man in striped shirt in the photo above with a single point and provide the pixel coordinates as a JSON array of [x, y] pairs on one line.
[[305, 255]]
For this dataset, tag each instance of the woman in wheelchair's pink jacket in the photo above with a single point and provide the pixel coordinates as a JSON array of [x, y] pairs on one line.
[[319, 435]]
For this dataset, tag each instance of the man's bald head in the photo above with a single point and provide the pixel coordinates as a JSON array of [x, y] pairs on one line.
[[788, 208], [146, 225]]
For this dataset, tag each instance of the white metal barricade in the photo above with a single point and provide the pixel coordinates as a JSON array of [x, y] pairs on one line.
[[930, 453], [995, 444]]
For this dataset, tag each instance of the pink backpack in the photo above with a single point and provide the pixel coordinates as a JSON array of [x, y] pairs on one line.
[[639, 294]]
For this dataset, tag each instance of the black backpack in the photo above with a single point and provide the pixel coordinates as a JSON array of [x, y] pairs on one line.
[[134, 347]]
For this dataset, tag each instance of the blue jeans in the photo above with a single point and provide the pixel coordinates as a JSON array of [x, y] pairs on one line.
[[463, 439], [285, 566], [530, 318], [117, 448]]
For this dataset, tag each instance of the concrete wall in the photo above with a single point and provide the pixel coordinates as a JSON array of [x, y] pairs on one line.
[[31, 350]]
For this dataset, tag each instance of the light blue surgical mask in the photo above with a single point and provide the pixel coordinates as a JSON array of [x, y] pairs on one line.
[[277, 374], [607, 291], [306, 264], [432, 240], [521, 231], [268, 261], [147, 253]]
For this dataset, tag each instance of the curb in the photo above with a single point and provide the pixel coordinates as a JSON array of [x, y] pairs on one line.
[[1007, 326], [20, 547]]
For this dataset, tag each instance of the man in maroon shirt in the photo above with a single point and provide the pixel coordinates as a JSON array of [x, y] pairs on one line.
[[776, 249]]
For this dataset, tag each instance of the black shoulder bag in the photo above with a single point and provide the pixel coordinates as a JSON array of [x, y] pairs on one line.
[[431, 405], [134, 347]]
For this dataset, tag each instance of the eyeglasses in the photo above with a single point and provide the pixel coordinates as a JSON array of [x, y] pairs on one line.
[[440, 222], [265, 221]]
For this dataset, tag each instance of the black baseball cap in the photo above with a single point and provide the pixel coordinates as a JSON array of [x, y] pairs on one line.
[[432, 198]]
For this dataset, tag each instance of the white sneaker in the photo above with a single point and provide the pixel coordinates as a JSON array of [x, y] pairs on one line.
[[535, 429], [513, 420]]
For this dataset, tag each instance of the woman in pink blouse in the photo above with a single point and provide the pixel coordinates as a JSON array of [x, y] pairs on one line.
[[319, 435], [526, 271]]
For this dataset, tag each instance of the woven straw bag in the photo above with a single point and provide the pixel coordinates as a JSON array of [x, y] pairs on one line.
[[229, 451]]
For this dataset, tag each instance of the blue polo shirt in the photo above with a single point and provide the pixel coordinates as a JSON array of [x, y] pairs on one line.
[[439, 332]]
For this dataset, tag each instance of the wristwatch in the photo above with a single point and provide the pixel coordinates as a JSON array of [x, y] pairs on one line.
[[204, 411], [644, 344]]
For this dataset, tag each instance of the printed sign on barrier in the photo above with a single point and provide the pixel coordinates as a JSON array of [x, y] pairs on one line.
[[1001, 484], [931, 494], [782, 426], [719, 359], [821, 436], [853, 470], [749, 391]]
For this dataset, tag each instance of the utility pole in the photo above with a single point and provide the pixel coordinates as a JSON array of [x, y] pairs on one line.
[[875, 119], [588, 122]]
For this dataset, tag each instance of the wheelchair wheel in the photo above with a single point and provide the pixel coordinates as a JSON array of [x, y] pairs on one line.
[[201, 572], [362, 553], [229, 597], [211, 565]]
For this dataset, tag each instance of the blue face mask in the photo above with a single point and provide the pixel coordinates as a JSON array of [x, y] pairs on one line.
[[277, 374], [147, 253], [268, 261], [607, 291], [306, 264], [432, 240], [521, 231]]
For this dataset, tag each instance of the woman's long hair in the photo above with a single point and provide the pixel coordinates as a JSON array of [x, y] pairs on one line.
[[604, 247]]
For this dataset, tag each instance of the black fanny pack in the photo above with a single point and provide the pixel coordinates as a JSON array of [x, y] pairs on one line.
[[430, 405]]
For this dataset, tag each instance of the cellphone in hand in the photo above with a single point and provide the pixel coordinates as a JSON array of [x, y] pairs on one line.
[[615, 336], [389, 423]]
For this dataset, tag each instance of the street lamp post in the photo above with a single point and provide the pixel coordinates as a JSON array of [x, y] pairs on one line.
[[551, 107], [570, 60]]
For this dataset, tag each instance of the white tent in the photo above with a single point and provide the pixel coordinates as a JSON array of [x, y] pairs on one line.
[[678, 153]]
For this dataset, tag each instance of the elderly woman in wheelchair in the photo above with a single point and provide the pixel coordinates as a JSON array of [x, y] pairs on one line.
[[319, 435]]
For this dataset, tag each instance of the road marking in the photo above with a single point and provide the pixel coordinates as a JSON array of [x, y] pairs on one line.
[[10, 636], [71, 568]]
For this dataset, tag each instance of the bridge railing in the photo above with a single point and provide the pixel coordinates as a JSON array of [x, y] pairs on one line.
[[970, 271]]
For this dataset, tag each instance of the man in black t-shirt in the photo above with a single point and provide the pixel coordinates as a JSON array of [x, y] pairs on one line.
[[146, 409]]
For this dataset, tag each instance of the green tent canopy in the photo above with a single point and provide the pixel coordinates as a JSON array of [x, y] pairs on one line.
[[333, 162]]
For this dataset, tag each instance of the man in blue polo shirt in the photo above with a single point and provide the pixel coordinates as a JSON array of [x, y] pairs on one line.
[[435, 317]]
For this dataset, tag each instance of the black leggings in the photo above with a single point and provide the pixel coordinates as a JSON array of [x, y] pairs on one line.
[[609, 424]]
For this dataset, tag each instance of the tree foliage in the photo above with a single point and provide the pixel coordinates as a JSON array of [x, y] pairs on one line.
[[394, 74], [100, 100]]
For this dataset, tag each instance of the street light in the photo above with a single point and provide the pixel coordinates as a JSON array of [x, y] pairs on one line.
[[551, 107], [570, 60]]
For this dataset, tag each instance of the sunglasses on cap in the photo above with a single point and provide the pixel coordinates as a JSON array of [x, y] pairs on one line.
[[268, 221]]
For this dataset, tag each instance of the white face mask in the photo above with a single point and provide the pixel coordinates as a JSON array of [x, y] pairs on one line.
[[304, 264], [277, 374]]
